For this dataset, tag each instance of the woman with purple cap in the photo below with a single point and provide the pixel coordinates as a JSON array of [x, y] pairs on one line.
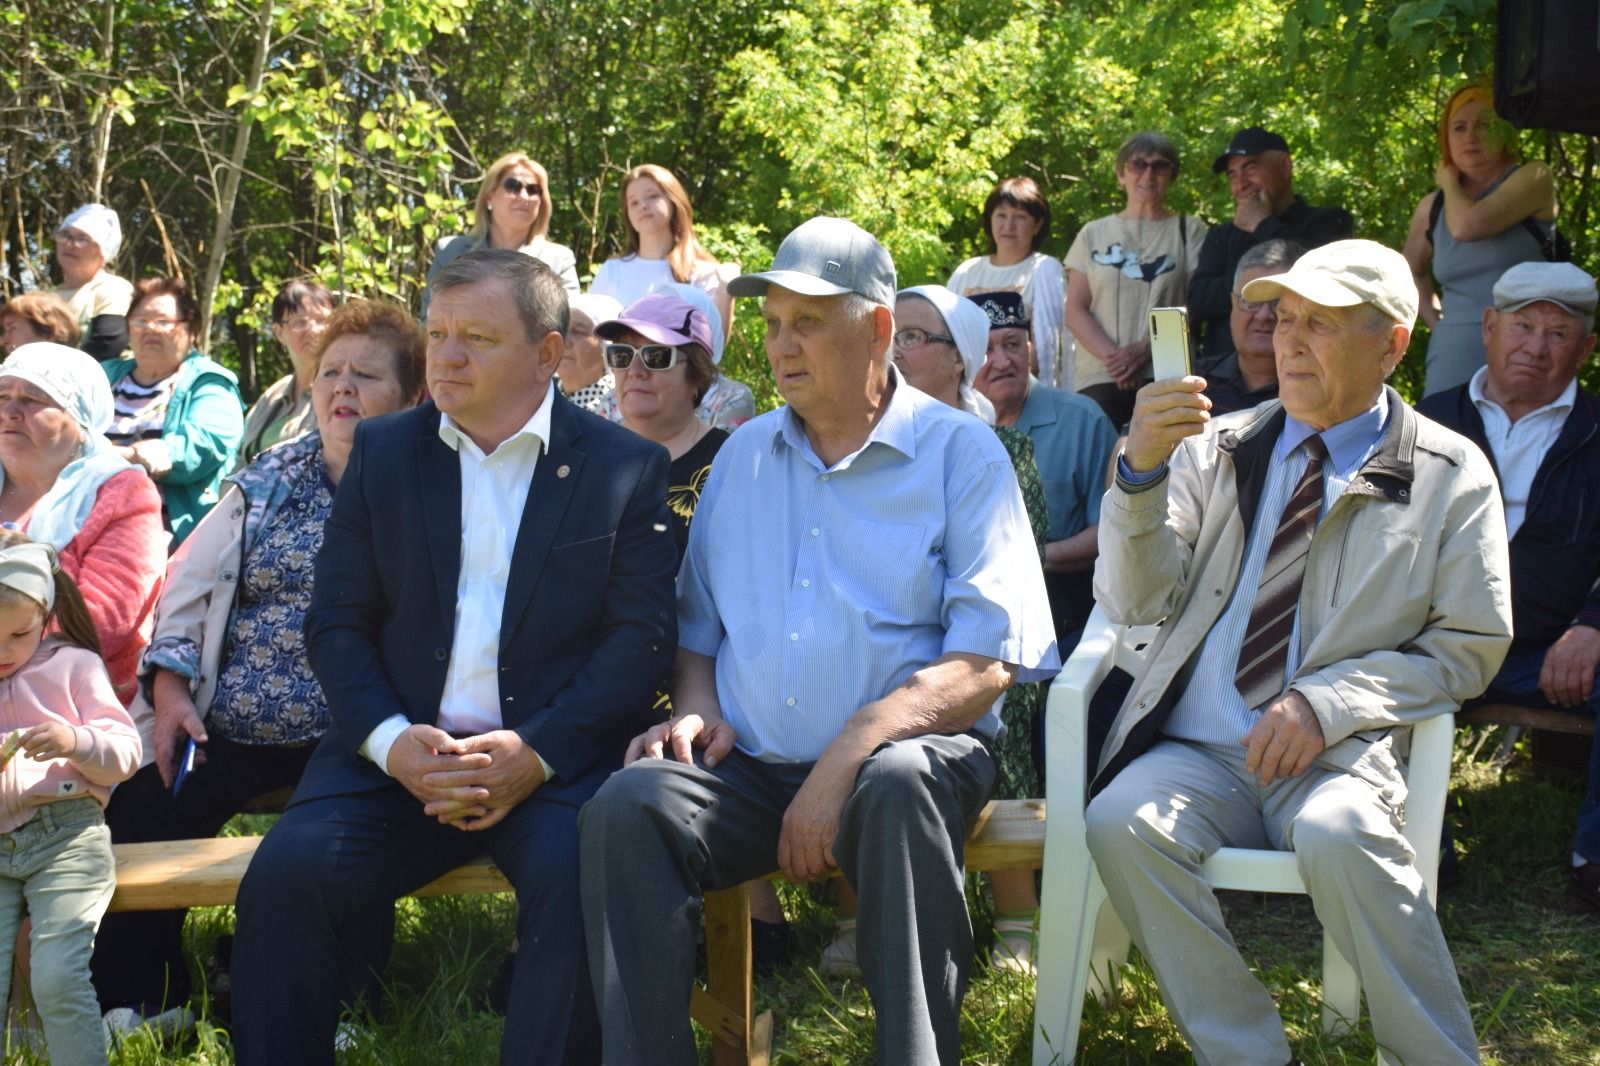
[[86, 241], [659, 350]]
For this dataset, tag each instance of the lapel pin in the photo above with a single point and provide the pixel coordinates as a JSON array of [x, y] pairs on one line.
[[563, 470]]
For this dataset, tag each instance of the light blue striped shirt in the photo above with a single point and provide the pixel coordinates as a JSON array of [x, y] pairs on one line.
[[820, 589], [1210, 710]]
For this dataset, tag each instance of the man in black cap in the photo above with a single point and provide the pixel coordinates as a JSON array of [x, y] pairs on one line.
[[1260, 177]]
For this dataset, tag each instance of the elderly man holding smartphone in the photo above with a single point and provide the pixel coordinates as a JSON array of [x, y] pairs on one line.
[[1327, 570]]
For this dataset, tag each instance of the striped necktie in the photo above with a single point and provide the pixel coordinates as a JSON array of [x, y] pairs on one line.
[[1264, 655]]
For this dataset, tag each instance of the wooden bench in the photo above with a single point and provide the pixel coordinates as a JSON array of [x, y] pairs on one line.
[[170, 875], [1510, 714]]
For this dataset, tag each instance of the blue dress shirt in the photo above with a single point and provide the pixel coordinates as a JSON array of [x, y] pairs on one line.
[[1210, 710], [819, 589]]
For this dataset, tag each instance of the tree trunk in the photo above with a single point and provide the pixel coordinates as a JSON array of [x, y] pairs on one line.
[[102, 123], [229, 193]]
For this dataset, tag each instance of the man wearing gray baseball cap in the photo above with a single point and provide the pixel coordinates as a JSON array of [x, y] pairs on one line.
[[1327, 570], [1525, 410], [860, 588]]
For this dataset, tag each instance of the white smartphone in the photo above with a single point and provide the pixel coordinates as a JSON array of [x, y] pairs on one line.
[[1169, 342]]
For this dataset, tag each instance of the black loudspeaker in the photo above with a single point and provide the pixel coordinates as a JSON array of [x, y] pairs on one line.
[[1547, 65]]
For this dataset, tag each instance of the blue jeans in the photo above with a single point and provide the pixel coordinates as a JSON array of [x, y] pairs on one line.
[[1518, 682], [58, 866]]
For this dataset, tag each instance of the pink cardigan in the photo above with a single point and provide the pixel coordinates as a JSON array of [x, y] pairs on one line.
[[119, 560], [68, 684]]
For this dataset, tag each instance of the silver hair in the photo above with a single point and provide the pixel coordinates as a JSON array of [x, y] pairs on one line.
[[1278, 254]]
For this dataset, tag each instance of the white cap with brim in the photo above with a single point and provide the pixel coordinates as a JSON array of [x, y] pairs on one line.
[[826, 257], [1346, 274]]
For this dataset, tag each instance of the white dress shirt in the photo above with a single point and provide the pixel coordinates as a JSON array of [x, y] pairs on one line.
[[494, 489], [1519, 447]]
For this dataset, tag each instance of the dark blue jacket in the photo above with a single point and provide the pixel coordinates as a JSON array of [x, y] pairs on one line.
[[1555, 555], [589, 627]]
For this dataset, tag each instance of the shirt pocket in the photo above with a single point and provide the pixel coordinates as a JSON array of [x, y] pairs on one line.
[[884, 567]]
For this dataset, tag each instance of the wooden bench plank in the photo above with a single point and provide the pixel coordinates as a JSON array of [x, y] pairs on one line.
[[1510, 714], [169, 875]]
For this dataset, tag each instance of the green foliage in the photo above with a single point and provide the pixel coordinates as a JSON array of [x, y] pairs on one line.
[[871, 111], [375, 118]]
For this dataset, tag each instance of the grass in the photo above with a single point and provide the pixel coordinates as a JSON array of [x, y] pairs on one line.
[[1529, 959]]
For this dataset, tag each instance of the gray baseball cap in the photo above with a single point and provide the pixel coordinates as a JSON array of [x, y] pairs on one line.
[[826, 257], [1567, 286]]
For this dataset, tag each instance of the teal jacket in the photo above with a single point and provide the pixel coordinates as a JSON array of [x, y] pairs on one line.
[[205, 422]]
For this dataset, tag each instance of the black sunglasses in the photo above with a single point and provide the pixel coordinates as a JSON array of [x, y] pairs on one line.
[[515, 187], [656, 356]]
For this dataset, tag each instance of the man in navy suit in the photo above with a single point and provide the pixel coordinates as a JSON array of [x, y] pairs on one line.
[[492, 615]]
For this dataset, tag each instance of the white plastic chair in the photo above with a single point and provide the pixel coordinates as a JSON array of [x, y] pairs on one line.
[[1081, 939]]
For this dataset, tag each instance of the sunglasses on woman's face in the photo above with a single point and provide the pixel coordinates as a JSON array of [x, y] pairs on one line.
[[656, 356], [517, 188]]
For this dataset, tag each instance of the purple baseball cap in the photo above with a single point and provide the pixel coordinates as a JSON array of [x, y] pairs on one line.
[[662, 318]]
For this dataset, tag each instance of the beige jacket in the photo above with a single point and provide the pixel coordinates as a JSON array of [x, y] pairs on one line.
[[196, 603], [1405, 609]]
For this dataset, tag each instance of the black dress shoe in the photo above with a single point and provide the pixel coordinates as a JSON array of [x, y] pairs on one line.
[[1586, 883]]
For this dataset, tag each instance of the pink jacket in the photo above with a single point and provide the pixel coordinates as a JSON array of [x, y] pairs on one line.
[[68, 684], [119, 560]]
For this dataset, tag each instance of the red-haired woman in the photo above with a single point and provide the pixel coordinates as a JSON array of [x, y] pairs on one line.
[[1488, 214]]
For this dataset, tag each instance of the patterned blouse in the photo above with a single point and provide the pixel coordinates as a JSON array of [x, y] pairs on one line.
[[266, 693]]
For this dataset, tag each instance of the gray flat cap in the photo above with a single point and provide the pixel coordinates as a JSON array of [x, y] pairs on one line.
[[1569, 287]]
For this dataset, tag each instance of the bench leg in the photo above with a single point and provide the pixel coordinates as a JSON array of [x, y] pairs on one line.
[[729, 974]]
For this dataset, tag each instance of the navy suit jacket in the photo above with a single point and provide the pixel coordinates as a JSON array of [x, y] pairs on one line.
[[589, 627]]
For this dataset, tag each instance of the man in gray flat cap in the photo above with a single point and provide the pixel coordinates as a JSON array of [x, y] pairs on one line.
[[1327, 569], [1525, 410], [860, 588]]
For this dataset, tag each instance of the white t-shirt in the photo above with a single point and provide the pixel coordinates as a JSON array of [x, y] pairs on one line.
[[105, 294], [1040, 280], [630, 277], [1132, 265]]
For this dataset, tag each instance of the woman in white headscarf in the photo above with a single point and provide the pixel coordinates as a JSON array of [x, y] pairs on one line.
[[64, 484], [86, 241], [940, 341]]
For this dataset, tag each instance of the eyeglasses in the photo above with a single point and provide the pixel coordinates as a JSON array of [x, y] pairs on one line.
[[655, 356], [301, 323], [154, 325], [1159, 166], [517, 188], [1250, 307], [916, 338], [77, 240]]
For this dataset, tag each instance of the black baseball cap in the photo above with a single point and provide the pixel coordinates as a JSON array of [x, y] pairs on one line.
[[1250, 141]]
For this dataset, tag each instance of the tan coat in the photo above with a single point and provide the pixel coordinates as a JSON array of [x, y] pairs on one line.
[[1405, 609]]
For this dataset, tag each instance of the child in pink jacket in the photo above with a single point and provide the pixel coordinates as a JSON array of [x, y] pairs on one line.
[[67, 741]]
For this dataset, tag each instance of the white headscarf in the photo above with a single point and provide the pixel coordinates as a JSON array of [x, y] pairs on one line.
[[30, 568], [970, 327], [76, 382], [596, 306], [101, 224]]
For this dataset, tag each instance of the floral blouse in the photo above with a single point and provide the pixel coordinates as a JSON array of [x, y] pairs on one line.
[[266, 693]]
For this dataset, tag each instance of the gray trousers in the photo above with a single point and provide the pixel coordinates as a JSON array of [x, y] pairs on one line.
[[660, 833], [1172, 807]]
